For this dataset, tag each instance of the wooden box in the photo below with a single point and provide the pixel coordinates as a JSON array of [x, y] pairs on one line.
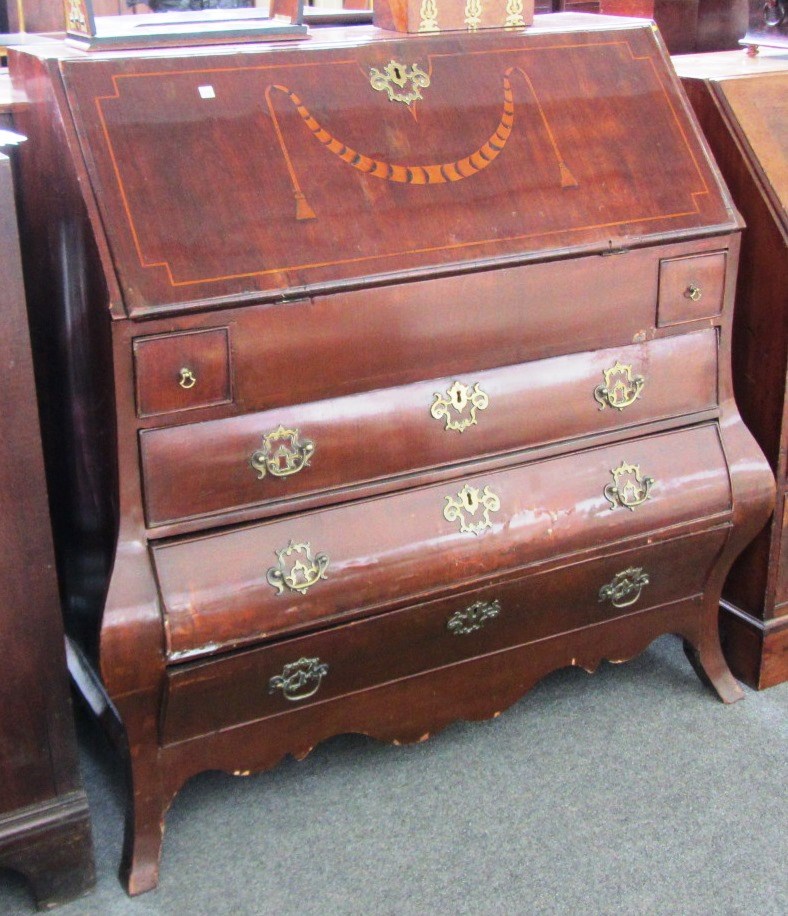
[[398, 377], [452, 15]]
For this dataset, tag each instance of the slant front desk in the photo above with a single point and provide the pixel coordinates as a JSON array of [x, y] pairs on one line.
[[385, 375]]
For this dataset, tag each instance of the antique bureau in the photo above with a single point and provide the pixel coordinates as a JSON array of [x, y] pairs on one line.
[[386, 374]]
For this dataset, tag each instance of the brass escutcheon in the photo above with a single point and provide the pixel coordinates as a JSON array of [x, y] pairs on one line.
[[402, 83], [514, 14], [472, 508], [473, 14], [458, 400], [299, 680], [625, 588], [282, 454], [297, 570], [473, 618], [620, 388], [629, 488], [693, 291], [187, 378]]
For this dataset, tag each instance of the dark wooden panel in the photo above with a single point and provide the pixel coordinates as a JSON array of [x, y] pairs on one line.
[[212, 242], [781, 573], [206, 468], [44, 830]]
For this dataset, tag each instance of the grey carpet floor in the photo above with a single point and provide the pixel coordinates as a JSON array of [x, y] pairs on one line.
[[630, 792]]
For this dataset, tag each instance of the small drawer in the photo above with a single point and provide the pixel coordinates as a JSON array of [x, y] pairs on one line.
[[182, 371], [219, 693], [690, 288]]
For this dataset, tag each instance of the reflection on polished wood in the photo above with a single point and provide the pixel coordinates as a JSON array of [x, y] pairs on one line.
[[325, 259]]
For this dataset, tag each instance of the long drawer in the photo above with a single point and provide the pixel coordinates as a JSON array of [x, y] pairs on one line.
[[328, 446], [333, 345], [253, 684], [231, 588]]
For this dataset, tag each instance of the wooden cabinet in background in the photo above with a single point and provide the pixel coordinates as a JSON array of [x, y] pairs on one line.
[[689, 26], [48, 15], [742, 104], [44, 823]]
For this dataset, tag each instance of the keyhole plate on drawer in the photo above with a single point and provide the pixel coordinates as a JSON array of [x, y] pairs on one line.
[[459, 405], [471, 507]]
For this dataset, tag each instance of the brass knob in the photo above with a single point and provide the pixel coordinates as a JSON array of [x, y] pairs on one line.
[[282, 453], [188, 379], [299, 680], [693, 291], [625, 588], [473, 618], [296, 569], [620, 388], [629, 488]]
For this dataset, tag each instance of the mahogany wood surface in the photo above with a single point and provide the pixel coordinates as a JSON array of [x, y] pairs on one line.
[[389, 433], [689, 26], [206, 246], [182, 371], [741, 105], [49, 16], [508, 227], [418, 638], [44, 819], [215, 592]]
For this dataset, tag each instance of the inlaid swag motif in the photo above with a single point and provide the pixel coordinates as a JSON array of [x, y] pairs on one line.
[[414, 174]]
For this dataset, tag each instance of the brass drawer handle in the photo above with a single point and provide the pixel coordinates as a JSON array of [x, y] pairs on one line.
[[458, 405], [471, 507], [297, 569], [629, 488], [693, 291], [187, 378], [473, 618], [620, 388], [625, 588], [299, 680], [282, 454]]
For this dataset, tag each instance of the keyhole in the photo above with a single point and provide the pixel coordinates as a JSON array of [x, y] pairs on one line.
[[397, 73]]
